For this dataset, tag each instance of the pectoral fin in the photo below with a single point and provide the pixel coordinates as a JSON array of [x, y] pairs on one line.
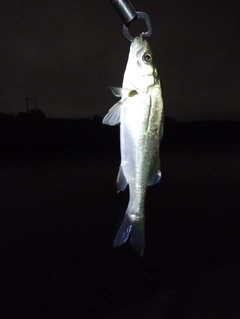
[[121, 180], [119, 92], [155, 172], [113, 116], [116, 91]]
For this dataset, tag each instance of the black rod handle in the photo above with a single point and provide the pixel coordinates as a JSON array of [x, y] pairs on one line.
[[125, 10]]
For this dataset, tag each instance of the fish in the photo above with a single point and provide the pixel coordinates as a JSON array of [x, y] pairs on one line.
[[140, 115]]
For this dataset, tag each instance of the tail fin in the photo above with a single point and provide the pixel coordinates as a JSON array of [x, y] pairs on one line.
[[136, 229], [123, 232]]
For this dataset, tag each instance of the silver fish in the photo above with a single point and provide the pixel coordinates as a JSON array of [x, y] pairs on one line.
[[140, 113]]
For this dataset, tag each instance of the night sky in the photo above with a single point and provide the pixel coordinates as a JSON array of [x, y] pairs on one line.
[[66, 52]]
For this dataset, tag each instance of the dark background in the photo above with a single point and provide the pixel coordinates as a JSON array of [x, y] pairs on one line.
[[65, 53], [59, 206]]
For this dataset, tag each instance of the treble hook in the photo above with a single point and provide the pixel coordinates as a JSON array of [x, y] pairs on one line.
[[128, 14]]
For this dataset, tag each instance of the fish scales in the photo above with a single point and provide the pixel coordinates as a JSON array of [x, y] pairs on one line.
[[140, 114]]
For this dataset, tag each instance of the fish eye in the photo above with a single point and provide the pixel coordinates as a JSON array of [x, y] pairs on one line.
[[147, 58]]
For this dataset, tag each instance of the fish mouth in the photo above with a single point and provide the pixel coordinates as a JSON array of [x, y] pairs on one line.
[[139, 44]]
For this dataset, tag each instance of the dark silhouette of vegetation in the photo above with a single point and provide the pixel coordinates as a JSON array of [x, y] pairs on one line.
[[32, 114], [31, 130], [4, 116]]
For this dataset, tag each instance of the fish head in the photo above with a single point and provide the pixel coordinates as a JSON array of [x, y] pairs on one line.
[[141, 72]]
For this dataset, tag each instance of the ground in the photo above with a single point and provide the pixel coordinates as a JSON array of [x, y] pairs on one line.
[[59, 215]]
